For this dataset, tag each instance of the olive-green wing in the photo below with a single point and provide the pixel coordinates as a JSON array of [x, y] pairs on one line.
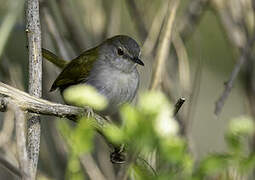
[[54, 59], [76, 71]]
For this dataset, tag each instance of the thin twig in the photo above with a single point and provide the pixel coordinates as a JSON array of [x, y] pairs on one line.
[[33, 30], [229, 84], [153, 34], [21, 140], [137, 18], [91, 167], [12, 168], [149, 165], [7, 129], [9, 21], [192, 16], [52, 28], [193, 97], [233, 31], [167, 89], [163, 49], [123, 171], [183, 63], [249, 80], [76, 30]]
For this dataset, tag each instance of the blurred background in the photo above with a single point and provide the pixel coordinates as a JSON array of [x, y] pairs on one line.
[[210, 38]]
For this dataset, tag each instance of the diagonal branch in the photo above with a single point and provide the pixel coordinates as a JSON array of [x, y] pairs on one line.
[[164, 44], [33, 104], [228, 86]]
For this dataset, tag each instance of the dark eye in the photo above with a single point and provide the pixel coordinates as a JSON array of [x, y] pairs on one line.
[[120, 52]]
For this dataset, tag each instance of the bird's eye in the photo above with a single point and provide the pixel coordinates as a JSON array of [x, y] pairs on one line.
[[120, 52]]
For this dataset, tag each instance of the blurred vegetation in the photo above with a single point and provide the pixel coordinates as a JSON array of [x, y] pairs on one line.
[[209, 37], [149, 126]]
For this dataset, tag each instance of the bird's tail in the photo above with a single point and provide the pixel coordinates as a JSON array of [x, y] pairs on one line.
[[61, 63]]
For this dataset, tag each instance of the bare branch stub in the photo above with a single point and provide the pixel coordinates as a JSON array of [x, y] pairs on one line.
[[178, 105], [33, 30]]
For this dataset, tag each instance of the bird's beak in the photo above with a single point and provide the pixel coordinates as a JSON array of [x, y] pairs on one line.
[[137, 60]]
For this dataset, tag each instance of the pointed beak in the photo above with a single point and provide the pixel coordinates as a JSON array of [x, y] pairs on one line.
[[137, 60]]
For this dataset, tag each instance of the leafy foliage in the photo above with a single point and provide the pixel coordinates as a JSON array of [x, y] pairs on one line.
[[150, 127]]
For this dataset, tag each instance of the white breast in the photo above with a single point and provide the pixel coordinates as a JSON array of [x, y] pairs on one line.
[[118, 87]]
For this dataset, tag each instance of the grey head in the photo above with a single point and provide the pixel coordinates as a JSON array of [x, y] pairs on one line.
[[122, 52]]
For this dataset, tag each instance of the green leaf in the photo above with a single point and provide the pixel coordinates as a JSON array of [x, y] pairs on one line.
[[213, 165], [114, 134], [141, 173], [173, 149], [234, 143], [80, 138], [65, 131], [85, 95], [247, 164], [152, 102], [242, 126], [83, 137], [130, 118], [74, 169]]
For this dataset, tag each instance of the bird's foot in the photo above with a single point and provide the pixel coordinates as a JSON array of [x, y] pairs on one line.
[[90, 112], [119, 155]]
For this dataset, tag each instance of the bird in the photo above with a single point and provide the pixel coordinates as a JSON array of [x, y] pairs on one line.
[[110, 67]]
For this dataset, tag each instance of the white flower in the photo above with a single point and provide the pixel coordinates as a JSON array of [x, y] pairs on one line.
[[165, 124]]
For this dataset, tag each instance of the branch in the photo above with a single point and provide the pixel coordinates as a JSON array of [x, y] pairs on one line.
[[76, 29], [163, 49], [137, 18], [7, 128], [21, 140], [183, 62], [229, 84], [166, 88], [235, 33], [192, 17], [91, 167], [123, 171], [33, 29], [33, 104], [12, 168], [9, 21], [151, 40], [53, 30]]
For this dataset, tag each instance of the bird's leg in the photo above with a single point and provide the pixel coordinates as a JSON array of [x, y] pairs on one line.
[[90, 112], [118, 156]]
